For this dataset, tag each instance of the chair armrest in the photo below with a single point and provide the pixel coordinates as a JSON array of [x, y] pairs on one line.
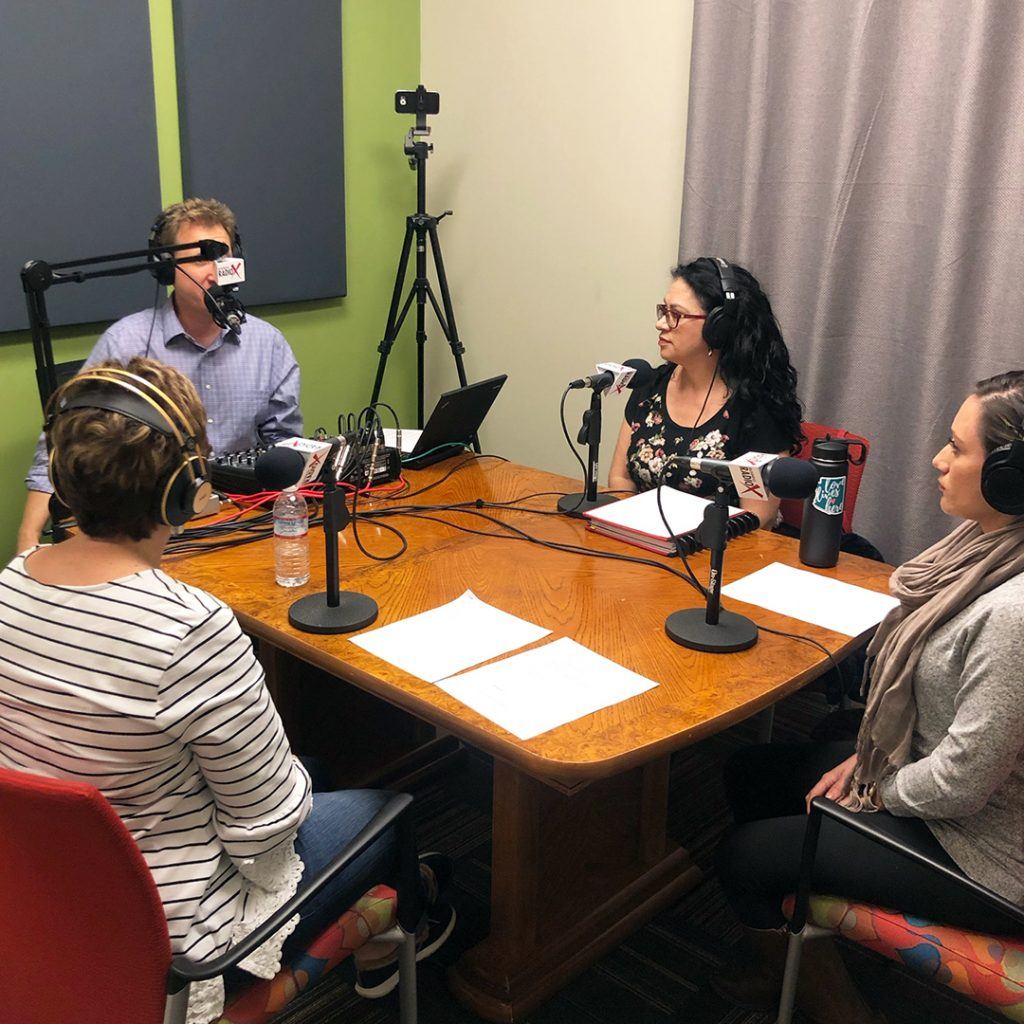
[[863, 823], [184, 970]]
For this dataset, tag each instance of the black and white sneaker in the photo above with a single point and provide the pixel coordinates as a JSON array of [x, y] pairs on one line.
[[377, 963], [376, 976]]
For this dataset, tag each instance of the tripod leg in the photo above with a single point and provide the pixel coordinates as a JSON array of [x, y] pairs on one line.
[[422, 288], [394, 320], [452, 332]]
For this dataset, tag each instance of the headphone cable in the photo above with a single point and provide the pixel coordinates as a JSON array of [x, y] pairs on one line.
[[152, 319]]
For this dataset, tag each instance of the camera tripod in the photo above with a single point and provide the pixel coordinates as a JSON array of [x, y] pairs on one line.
[[423, 227]]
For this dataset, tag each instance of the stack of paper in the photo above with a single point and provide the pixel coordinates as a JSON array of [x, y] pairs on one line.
[[636, 520]]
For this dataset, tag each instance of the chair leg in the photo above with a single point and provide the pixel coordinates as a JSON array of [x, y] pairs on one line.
[[791, 976], [407, 978], [765, 725], [176, 1006]]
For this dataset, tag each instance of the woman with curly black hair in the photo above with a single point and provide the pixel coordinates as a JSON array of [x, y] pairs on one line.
[[727, 386]]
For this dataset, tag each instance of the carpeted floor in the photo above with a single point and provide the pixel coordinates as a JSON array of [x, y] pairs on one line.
[[658, 976]]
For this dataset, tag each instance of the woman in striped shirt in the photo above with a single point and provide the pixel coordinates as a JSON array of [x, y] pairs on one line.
[[113, 673]]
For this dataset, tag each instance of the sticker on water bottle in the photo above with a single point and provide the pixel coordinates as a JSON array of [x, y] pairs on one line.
[[829, 495]]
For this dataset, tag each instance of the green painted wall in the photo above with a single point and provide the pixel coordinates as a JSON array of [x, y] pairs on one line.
[[335, 340]]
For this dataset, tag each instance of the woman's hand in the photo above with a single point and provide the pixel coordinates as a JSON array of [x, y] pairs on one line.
[[835, 784]]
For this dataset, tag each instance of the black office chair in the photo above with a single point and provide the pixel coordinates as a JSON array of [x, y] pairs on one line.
[[987, 968]]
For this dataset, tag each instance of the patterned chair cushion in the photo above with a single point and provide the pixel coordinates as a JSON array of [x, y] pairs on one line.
[[375, 912], [986, 968]]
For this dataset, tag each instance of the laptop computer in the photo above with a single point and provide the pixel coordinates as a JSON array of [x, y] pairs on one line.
[[452, 425]]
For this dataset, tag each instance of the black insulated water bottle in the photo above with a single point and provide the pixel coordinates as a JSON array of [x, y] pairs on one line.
[[822, 527]]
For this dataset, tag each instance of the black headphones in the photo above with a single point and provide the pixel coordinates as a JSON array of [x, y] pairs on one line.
[[1002, 478], [720, 323], [163, 262], [184, 490]]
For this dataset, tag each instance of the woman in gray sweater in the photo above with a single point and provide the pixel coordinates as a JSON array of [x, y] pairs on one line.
[[940, 753]]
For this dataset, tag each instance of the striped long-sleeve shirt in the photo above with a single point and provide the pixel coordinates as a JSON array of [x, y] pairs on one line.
[[148, 689]]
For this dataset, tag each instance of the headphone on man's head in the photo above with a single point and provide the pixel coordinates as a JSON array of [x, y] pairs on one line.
[[720, 323], [184, 490], [1002, 478], [162, 263]]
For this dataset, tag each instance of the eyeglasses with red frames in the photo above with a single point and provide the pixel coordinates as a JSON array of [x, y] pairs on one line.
[[673, 316]]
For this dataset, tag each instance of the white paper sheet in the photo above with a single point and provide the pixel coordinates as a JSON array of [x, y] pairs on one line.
[[450, 638], [409, 438], [683, 510], [548, 686], [841, 607]]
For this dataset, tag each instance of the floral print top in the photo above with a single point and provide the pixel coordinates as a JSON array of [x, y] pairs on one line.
[[727, 433]]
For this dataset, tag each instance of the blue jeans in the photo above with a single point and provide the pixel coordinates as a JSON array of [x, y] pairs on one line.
[[335, 818]]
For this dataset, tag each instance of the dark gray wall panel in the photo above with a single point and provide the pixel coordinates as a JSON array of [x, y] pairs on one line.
[[259, 102], [78, 155]]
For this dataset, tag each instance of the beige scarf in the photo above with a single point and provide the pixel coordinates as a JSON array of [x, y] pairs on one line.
[[931, 588]]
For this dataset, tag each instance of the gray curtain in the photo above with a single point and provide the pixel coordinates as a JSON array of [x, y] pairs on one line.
[[865, 160]]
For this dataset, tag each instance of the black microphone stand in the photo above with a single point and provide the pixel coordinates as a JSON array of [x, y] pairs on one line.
[[334, 610], [712, 628], [37, 276], [590, 435]]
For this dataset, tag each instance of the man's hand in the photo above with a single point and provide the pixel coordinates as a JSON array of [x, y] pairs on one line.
[[834, 785]]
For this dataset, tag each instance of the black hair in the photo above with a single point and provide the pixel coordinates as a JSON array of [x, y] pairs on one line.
[[754, 363]]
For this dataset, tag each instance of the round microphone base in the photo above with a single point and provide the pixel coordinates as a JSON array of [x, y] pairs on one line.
[[312, 614], [577, 504], [732, 633]]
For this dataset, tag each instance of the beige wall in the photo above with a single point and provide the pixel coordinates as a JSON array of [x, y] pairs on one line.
[[560, 148]]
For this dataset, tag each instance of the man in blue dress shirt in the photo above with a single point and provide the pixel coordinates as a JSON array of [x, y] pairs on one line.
[[247, 378]]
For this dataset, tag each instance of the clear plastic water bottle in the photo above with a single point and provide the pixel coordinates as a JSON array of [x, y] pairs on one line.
[[291, 539]]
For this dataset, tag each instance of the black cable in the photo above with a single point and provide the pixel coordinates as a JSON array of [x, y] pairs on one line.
[[152, 319], [803, 639], [676, 541], [514, 533], [473, 457], [384, 526], [576, 454]]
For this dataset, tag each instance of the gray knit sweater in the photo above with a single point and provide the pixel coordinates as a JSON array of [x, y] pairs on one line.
[[966, 776]]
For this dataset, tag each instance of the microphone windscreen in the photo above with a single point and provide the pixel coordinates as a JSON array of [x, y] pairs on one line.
[[790, 478], [279, 468], [642, 376]]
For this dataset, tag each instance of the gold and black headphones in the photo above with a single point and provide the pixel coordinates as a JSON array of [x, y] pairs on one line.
[[184, 490]]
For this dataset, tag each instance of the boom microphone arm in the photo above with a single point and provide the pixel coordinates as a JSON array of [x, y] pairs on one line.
[[38, 275]]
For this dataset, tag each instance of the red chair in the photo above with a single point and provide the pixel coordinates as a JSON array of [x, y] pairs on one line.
[[793, 508], [83, 936]]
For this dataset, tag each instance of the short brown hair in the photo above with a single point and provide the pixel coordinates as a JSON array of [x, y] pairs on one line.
[[195, 211], [106, 466]]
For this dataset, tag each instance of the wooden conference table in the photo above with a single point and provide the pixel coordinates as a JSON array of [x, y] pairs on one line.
[[580, 853]]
